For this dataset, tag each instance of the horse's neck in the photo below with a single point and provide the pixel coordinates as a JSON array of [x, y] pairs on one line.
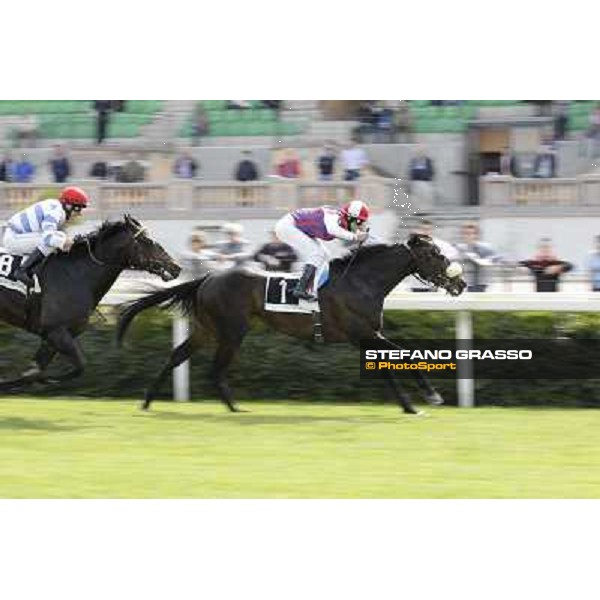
[[99, 278], [386, 272], [104, 280]]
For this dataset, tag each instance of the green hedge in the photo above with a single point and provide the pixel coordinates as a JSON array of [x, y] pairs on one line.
[[273, 366]]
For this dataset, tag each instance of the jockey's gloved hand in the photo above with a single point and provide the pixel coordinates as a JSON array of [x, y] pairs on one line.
[[361, 235]]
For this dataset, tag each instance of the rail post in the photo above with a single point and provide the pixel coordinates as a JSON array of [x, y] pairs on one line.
[[181, 374], [465, 384]]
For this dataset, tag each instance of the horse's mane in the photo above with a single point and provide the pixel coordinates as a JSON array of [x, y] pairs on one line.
[[106, 229], [363, 253]]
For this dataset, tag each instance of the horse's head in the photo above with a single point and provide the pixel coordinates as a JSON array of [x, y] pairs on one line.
[[144, 254], [434, 267]]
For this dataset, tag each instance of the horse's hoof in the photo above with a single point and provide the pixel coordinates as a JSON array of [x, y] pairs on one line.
[[435, 399]]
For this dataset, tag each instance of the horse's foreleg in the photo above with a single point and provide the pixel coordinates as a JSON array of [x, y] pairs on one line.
[[179, 355], [431, 395], [429, 392], [64, 343], [401, 396]]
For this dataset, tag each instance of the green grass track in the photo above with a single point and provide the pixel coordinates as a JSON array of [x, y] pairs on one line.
[[75, 448]]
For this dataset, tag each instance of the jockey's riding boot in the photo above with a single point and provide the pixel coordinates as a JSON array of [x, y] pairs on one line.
[[301, 290], [23, 273]]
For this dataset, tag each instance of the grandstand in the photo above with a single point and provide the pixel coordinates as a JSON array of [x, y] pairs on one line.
[[464, 139]]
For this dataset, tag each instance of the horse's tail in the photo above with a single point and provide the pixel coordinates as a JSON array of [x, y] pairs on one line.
[[182, 296]]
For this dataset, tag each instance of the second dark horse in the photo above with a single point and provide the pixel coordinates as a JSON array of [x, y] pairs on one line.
[[72, 285], [223, 305]]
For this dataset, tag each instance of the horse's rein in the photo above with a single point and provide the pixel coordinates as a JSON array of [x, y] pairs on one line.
[[94, 259], [352, 259]]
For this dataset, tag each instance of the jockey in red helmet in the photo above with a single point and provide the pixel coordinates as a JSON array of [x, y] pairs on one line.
[[305, 230], [37, 230]]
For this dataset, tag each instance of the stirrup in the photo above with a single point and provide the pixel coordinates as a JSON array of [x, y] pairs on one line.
[[23, 277]]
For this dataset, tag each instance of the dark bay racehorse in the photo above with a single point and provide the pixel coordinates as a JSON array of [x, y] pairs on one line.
[[351, 303], [72, 285]]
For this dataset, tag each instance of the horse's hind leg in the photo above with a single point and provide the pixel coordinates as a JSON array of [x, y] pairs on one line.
[[42, 358], [179, 355], [225, 353]]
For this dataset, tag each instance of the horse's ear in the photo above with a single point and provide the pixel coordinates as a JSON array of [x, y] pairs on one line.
[[131, 221]]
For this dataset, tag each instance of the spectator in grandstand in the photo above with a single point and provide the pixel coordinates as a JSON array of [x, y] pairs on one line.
[[354, 160], [59, 165], [198, 258], [276, 255], [289, 166], [26, 133], [99, 170], [476, 257], [246, 170], [421, 166], [593, 132], [272, 104], [326, 163], [367, 119], [384, 125], [426, 227], [7, 168], [593, 266], [544, 165], [102, 108], [402, 129], [546, 267], [509, 163], [200, 125], [561, 121], [421, 174], [23, 171], [232, 251], [185, 167], [131, 172]]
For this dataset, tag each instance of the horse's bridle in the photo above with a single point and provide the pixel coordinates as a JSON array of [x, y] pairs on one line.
[[140, 231], [416, 274]]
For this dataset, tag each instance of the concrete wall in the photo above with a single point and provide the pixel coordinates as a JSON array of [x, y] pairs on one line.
[[449, 155]]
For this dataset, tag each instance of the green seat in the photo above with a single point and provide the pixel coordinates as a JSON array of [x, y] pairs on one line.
[[425, 125], [214, 104], [216, 116], [216, 129], [468, 110], [452, 112]]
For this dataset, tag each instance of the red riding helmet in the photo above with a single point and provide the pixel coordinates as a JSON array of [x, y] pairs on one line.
[[354, 213], [74, 196]]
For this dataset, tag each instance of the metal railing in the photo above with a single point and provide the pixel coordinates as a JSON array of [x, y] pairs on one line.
[[463, 308]]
